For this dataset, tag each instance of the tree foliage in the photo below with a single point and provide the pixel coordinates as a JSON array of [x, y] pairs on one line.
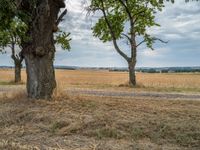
[[14, 34], [138, 16], [63, 40], [7, 12], [14, 22]]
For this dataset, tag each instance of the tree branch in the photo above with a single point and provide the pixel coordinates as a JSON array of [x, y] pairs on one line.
[[126, 8], [125, 35], [140, 43], [13, 51], [132, 30], [113, 34], [60, 18], [162, 41]]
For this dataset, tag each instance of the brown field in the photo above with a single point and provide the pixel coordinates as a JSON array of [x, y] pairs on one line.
[[172, 82], [69, 122], [95, 123]]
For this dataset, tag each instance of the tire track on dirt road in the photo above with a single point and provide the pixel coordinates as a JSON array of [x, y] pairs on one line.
[[158, 95], [112, 93]]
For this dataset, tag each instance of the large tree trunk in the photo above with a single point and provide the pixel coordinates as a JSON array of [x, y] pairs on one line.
[[40, 76], [39, 52], [132, 76], [18, 66]]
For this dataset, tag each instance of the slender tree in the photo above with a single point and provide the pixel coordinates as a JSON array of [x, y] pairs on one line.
[[126, 20], [11, 38]]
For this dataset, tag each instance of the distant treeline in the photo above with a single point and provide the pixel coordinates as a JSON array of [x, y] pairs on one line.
[[163, 70], [168, 71], [124, 69]]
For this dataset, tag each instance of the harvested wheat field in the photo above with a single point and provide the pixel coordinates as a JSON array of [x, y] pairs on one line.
[[75, 121], [169, 82], [95, 123], [115, 80]]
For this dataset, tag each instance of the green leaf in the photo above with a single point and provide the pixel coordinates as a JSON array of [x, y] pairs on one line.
[[63, 39]]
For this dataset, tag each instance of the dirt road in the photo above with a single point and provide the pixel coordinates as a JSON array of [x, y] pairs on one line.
[[114, 93], [158, 95]]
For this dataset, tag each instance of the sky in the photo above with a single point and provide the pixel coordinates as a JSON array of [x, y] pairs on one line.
[[180, 26]]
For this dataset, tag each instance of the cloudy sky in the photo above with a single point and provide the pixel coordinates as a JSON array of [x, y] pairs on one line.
[[180, 25]]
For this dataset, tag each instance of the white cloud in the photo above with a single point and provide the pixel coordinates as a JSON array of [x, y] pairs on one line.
[[179, 25], [179, 20]]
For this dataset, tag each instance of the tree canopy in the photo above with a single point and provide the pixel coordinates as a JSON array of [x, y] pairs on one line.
[[13, 22], [120, 14], [14, 34]]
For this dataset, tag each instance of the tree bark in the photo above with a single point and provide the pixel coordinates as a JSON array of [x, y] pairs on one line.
[[40, 50], [40, 76], [132, 76], [18, 66], [17, 62]]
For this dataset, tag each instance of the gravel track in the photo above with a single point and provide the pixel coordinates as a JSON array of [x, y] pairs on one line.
[[106, 93], [158, 95]]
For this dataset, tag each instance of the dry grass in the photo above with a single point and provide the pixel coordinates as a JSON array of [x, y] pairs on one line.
[[94, 123], [118, 81], [105, 79], [7, 75], [182, 82]]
